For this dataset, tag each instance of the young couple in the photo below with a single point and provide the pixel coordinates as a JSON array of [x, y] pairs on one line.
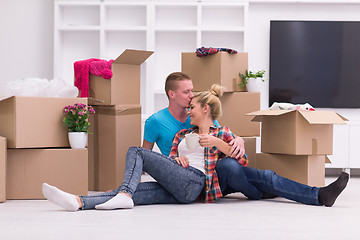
[[205, 173]]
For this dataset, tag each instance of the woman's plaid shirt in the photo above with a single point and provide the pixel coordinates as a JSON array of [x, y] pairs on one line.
[[212, 155]]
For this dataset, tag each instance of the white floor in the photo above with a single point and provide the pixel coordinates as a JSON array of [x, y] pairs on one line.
[[232, 217]]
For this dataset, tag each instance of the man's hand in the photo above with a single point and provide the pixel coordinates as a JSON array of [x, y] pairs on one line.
[[238, 148], [183, 161]]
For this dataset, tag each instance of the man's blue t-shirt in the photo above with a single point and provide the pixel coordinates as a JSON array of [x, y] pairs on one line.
[[161, 127]]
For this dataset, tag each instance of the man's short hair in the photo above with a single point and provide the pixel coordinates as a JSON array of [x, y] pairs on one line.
[[172, 80]]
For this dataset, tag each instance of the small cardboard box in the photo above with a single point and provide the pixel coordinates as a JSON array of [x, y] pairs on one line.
[[35, 122], [250, 148], [306, 169], [2, 169], [235, 106], [297, 132], [221, 68], [116, 128], [27, 169], [124, 86]]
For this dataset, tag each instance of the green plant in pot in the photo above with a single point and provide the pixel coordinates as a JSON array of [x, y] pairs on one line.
[[76, 119], [252, 80]]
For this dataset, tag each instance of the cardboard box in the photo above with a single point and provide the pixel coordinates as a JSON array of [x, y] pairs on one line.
[[27, 169], [297, 132], [235, 106], [35, 122], [93, 176], [2, 169], [116, 129], [124, 86], [221, 68], [306, 169], [250, 148]]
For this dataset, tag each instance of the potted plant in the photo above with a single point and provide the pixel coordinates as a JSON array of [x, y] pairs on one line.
[[76, 118], [252, 80]]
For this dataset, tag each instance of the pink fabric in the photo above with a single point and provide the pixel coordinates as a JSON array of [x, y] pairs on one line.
[[94, 66]]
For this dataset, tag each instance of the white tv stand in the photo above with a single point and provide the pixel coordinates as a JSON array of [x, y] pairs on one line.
[[346, 145]]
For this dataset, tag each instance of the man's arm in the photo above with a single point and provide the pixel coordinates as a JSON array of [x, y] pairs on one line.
[[148, 145], [238, 147]]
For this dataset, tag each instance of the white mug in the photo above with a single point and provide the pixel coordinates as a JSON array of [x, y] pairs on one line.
[[192, 140]]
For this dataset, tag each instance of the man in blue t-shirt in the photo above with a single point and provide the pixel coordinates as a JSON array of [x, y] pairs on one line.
[[161, 127]]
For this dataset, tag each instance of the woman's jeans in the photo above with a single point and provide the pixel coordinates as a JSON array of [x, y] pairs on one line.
[[256, 184], [175, 184]]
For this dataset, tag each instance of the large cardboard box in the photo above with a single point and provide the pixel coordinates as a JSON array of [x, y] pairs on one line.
[[250, 148], [297, 132], [35, 122], [306, 169], [116, 129], [124, 86], [221, 68], [27, 169], [235, 106], [2, 169]]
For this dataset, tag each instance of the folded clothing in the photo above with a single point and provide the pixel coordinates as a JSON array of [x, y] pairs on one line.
[[94, 66], [201, 52]]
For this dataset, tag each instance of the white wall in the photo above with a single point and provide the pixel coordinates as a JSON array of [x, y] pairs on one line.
[[26, 36], [260, 15], [26, 39]]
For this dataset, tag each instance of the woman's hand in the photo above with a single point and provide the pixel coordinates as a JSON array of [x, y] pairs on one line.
[[207, 140], [183, 161]]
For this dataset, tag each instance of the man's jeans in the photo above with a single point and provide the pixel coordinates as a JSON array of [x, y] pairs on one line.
[[175, 184], [255, 183]]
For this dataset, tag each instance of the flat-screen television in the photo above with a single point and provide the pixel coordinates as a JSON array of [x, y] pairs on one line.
[[315, 62]]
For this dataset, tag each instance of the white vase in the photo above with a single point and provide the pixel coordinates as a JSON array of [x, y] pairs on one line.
[[254, 84], [77, 139]]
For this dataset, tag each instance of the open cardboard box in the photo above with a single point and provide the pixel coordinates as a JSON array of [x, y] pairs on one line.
[[115, 129], [35, 122], [124, 86], [235, 106], [297, 132], [306, 169], [64, 168], [221, 68], [2, 169]]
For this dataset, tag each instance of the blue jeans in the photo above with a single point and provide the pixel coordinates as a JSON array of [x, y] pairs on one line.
[[255, 183], [175, 184]]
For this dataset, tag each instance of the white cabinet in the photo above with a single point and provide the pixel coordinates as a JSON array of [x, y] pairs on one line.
[[103, 29], [340, 157], [346, 146], [354, 145]]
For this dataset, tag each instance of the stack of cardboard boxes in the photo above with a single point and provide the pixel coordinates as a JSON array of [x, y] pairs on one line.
[[34, 148], [223, 68], [116, 124], [294, 143]]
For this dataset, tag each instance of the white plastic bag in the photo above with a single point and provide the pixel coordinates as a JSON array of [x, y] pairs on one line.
[[290, 106], [39, 87]]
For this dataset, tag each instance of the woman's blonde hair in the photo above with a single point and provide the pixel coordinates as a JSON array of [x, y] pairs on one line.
[[211, 98]]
